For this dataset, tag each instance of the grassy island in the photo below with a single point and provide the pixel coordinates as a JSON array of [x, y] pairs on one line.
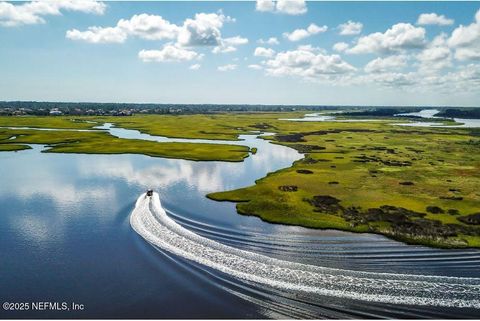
[[101, 142]]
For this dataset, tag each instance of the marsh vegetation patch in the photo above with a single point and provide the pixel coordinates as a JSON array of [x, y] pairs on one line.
[[409, 184]]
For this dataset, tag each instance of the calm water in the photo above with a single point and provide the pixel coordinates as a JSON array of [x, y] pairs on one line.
[[65, 236]]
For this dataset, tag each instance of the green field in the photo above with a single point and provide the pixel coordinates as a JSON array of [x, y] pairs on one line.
[[418, 185]]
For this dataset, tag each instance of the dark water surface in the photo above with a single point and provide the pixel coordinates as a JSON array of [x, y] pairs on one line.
[[65, 236]]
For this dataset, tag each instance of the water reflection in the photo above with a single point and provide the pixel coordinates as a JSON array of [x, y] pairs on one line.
[[203, 176]]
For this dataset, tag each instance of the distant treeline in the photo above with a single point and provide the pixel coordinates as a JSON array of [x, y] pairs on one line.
[[43, 108], [70, 108], [470, 113], [382, 112]]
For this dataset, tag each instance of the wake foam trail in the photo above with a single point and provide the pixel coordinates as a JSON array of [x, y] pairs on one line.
[[150, 220]]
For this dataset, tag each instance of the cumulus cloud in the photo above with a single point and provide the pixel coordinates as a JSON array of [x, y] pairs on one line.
[[223, 49], [300, 34], [203, 30], [399, 37], [436, 55], [235, 41], [98, 35], [308, 63], [194, 67], [270, 41], [145, 26], [33, 12], [434, 19], [340, 46], [265, 5], [228, 67], [469, 74], [392, 79], [385, 64], [255, 67], [463, 79], [466, 40], [264, 52], [168, 53], [230, 44], [350, 28], [290, 7], [150, 27]]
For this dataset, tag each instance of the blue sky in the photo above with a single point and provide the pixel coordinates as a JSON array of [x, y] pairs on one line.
[[335, 53]]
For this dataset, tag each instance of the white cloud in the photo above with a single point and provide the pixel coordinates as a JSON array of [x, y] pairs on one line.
[[290, 7], [466, 40], [391, 79], [270, 41], [463, 79], [228, 67], [229, 44], [300, 34], [150, 27], [235, 41], [87, 6], [434, 19], [308, 63], [340, 46], [263, 52], [255, 67], [223, 49], [350, 28], [194, 67], [436, 55], [296, 35], [265, 5], [204, 30], [98, 35], [469, 74], [399, 37], [32, 12], [313, 29], [168, 53], [385, 64]]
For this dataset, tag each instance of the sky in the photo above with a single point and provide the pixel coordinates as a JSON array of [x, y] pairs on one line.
[[242, 52]]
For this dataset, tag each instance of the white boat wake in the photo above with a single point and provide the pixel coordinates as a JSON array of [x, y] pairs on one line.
[[150, 220]]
